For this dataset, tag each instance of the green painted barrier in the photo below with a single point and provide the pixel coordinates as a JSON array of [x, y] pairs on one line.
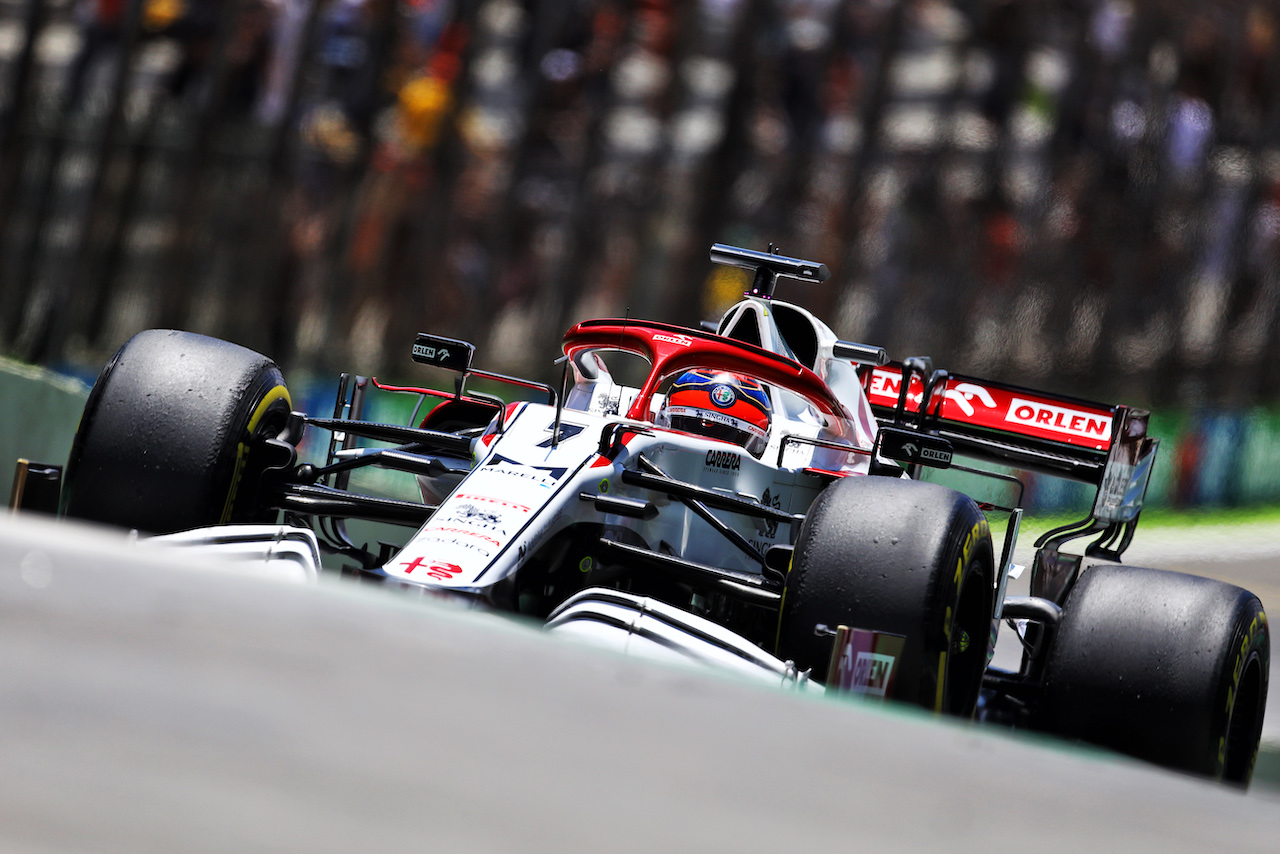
[[1216, 458], [1259, 481], [40, 412]]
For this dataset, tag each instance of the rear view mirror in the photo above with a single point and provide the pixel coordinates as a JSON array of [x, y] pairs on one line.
[[448, 353], [912, 448]]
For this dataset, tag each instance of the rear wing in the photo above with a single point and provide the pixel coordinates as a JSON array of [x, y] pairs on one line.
[[1102, 445]]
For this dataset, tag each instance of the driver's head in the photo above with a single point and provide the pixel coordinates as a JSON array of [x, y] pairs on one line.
[[719, 405]]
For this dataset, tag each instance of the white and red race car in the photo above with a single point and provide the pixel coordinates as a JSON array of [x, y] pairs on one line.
[[744, 497]]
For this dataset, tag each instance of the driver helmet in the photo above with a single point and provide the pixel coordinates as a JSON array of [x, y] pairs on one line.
[[719, 405]]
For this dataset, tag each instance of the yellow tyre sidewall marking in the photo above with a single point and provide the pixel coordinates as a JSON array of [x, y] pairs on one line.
[[242, 449]]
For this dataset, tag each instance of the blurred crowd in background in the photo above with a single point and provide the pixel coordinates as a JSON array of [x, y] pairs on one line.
[[1076, 194]]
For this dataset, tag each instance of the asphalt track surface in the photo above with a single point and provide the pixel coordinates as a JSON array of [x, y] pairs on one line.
[[150, 705]]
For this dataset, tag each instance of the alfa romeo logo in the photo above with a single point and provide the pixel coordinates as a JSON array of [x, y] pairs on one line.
[[722, 395]]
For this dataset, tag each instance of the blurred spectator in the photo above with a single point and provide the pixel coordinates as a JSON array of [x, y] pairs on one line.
[[100, 22], [288, 20], [1077, 190]]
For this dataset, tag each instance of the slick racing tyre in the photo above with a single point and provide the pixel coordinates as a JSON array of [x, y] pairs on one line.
[[903, 557], [167, 438], [1166, 667]]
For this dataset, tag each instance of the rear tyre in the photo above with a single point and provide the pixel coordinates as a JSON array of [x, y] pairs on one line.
[[898, 556], [1166, 667], [167, 439]]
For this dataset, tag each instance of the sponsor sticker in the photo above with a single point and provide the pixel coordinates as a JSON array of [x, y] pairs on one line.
[[770, 526], [999, 408], [704, 414], [723, 462], [542, 476], [885, 386], [910, 447], [422, 351], [447, 529], [501, 502], [1059, 419], [864, 662], [871, 673], [439, 570], [473, 517], [444, 352], [681, 340], [964, 394], [723, 396], [437, 540]]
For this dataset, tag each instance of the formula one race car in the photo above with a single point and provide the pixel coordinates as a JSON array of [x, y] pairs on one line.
[[750, 498]]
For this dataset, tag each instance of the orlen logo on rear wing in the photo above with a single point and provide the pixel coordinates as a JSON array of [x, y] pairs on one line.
[[981, 403]]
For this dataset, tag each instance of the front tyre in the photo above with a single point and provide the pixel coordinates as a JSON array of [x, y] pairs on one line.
[[168, 435], [1166, 667], [898, 556]]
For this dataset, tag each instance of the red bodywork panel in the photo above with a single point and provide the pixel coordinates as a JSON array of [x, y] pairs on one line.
[[995, 406]]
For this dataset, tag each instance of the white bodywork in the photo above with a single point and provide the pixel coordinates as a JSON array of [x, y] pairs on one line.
[[523, 489], [520, 490], [647, 628], [278, 552]]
